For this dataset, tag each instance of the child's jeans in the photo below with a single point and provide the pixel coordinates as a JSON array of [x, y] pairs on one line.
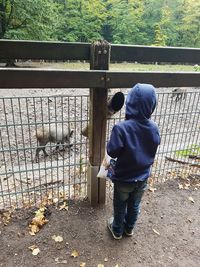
[[126, 203]]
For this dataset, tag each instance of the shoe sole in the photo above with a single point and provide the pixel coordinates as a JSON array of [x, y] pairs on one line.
[[115, 237], [127, 234]]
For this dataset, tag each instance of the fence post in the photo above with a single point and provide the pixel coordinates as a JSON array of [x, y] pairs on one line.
[[100, 59]]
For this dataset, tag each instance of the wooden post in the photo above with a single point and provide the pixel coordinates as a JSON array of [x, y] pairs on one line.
[[100, 59]]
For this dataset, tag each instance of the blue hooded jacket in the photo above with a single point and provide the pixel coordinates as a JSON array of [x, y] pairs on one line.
[[134, 141]]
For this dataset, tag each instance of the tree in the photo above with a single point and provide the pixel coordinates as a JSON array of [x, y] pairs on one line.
[[27, 19], [6, 12], [82, 21], [143, 22], [190, 27], [124, 20], [162, 31]]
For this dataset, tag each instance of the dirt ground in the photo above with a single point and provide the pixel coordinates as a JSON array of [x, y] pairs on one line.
[[167, 234]]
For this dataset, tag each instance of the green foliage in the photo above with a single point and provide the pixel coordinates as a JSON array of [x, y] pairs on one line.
[[161, 29], [190, 27], [144, 22], [196, 67], [192, 150], [31, 19], [82, 21], [125, 22]]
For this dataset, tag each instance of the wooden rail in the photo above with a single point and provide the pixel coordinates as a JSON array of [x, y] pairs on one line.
[[46, 78], [133, 53], [43, 50], [40, 78], [81, 51]]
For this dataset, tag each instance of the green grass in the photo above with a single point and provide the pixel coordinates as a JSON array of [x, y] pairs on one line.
[[150, 67], [123, 67], [192, 150]]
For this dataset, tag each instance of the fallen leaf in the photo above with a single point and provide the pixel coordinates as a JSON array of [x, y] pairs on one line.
[[180, 186], [82, 264], [191, 199], [64, 206], [186, 186], [55, 200], [57, 260], [60, 261], [33, 229], [156, 232], [35, 250], [189, 220], [74, 254], [57, 238], [38, 221], [63, 261], [152, 189], [6, 216], [106, 259]]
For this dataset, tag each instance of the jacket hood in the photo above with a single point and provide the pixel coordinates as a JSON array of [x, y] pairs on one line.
[[141, 102]]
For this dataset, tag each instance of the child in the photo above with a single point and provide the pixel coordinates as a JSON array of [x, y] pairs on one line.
[[134, 143]]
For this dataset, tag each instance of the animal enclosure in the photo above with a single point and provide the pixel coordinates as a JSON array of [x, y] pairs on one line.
[[71, 173], [63, 174]]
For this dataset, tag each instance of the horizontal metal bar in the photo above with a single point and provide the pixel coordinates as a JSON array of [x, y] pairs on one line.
[[42, 123], [174, 114], [154, 54], [34, 147], [10, 49], [165, 114], [46, 78], [181, 133], [167, 151], [43, 169], [44, 96], [158, 79], [36, 189]]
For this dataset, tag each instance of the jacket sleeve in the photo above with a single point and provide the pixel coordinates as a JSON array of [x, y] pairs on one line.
[[116, 143]]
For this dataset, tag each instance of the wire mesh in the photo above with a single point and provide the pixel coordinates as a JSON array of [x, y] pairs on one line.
[[26, 180]]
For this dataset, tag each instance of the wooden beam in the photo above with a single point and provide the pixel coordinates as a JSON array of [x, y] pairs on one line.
[[158, 79], [10, 49], [131, 53], [41, 78], [47, 78], [16, 49]]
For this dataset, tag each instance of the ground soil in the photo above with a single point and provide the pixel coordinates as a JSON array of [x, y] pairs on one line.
[[167, 234]]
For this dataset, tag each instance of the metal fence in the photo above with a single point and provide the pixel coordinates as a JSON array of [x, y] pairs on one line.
[[63, 174]]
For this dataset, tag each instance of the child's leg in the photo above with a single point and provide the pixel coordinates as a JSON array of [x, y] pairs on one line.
[[133, 205], [121, 196]]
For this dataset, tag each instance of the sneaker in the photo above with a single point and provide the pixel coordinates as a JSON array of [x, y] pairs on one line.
[[128, 232], [116, 236]]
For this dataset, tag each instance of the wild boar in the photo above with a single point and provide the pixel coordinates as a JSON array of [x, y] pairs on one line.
[[179, 94], [52, 133]]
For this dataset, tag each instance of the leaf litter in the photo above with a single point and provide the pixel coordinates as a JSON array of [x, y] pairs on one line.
[[35, 250], [38, 221]]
